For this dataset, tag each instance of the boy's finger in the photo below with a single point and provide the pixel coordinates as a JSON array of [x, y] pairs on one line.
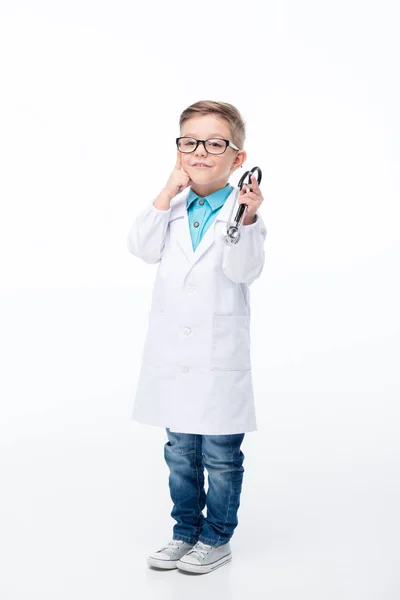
[[178, 163]]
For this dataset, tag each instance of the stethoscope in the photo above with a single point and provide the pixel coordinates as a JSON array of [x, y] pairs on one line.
[[232, 231]]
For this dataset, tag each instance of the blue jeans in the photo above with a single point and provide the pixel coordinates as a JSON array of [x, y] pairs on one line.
[[186, 455]]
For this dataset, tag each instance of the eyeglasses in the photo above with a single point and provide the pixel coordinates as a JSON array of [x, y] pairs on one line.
[[213, 145]]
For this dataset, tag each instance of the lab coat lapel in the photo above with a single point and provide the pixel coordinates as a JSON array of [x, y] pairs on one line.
[[183, 237]]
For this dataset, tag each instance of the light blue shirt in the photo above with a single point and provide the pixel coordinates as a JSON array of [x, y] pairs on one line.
[[202, 211]]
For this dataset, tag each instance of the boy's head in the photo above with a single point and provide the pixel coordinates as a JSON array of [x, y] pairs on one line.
[[204, 120]]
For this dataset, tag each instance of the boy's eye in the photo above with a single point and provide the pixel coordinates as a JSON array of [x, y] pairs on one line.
[[216, 143]]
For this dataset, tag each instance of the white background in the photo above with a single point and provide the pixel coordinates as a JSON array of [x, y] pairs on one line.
[[84, 489]]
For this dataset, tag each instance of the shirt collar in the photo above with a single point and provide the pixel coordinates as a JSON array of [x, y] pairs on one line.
[[215, 200]]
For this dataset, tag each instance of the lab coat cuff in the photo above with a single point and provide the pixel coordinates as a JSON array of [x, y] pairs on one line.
[[252, 224], [160, 210], [244, 261], [147, 235]]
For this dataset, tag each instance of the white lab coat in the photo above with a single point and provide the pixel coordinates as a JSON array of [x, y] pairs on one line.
[[196, 373]]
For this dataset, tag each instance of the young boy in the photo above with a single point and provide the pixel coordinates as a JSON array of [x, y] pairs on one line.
[[196, 379]]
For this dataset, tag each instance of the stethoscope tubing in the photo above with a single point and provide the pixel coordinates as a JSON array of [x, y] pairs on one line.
[[232, 233]]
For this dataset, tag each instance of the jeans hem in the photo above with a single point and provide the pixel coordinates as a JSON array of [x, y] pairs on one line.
[[185, 538], [211, 542]]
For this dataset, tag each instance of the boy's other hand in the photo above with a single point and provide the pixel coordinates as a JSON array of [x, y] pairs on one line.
[[179, 179], [251, 195]]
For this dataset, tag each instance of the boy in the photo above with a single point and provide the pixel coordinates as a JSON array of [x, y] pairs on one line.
[[195, 378]]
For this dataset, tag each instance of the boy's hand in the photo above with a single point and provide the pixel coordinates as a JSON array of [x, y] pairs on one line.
[[178, 180], [253, 198]]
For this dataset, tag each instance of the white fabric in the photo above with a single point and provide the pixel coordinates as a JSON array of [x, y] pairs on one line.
[[196, 373]]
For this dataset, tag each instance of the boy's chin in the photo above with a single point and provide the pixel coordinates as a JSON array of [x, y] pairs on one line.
[[202, 178]]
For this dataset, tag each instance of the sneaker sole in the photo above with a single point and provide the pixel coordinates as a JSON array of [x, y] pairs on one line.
[[162, 564], [184, 566]]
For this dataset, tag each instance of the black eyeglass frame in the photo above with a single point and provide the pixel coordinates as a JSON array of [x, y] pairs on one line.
[[227, 142]]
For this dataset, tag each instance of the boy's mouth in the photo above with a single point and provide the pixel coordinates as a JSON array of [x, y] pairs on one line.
[[201, 166]]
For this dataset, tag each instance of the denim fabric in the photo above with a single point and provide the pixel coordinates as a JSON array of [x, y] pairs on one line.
[[186, 455]]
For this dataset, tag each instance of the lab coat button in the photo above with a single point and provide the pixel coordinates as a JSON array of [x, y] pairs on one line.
[[196, 224], [184, 369], [187, 330], [190, 289], [201, 202]]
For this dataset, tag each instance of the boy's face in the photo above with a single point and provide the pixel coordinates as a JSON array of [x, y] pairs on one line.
[[205, 181]]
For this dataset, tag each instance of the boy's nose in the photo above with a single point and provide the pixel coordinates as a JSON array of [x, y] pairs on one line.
[[201, 149]]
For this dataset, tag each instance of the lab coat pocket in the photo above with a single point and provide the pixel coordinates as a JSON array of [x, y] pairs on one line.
[[230, 343]]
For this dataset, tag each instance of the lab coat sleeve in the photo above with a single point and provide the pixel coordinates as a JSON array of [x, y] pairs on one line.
[[146, 238], [243, 262]]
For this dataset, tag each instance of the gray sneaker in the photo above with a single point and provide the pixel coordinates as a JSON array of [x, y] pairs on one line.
[[167, 556], [204, 558]]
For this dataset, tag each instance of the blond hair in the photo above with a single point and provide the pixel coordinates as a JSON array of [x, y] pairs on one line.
[[223, 110]]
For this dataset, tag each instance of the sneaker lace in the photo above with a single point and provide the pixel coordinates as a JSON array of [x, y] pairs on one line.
[[174, 544], [201, 549]]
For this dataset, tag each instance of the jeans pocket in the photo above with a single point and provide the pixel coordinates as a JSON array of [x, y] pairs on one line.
[[180, 443], [230, 343]]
